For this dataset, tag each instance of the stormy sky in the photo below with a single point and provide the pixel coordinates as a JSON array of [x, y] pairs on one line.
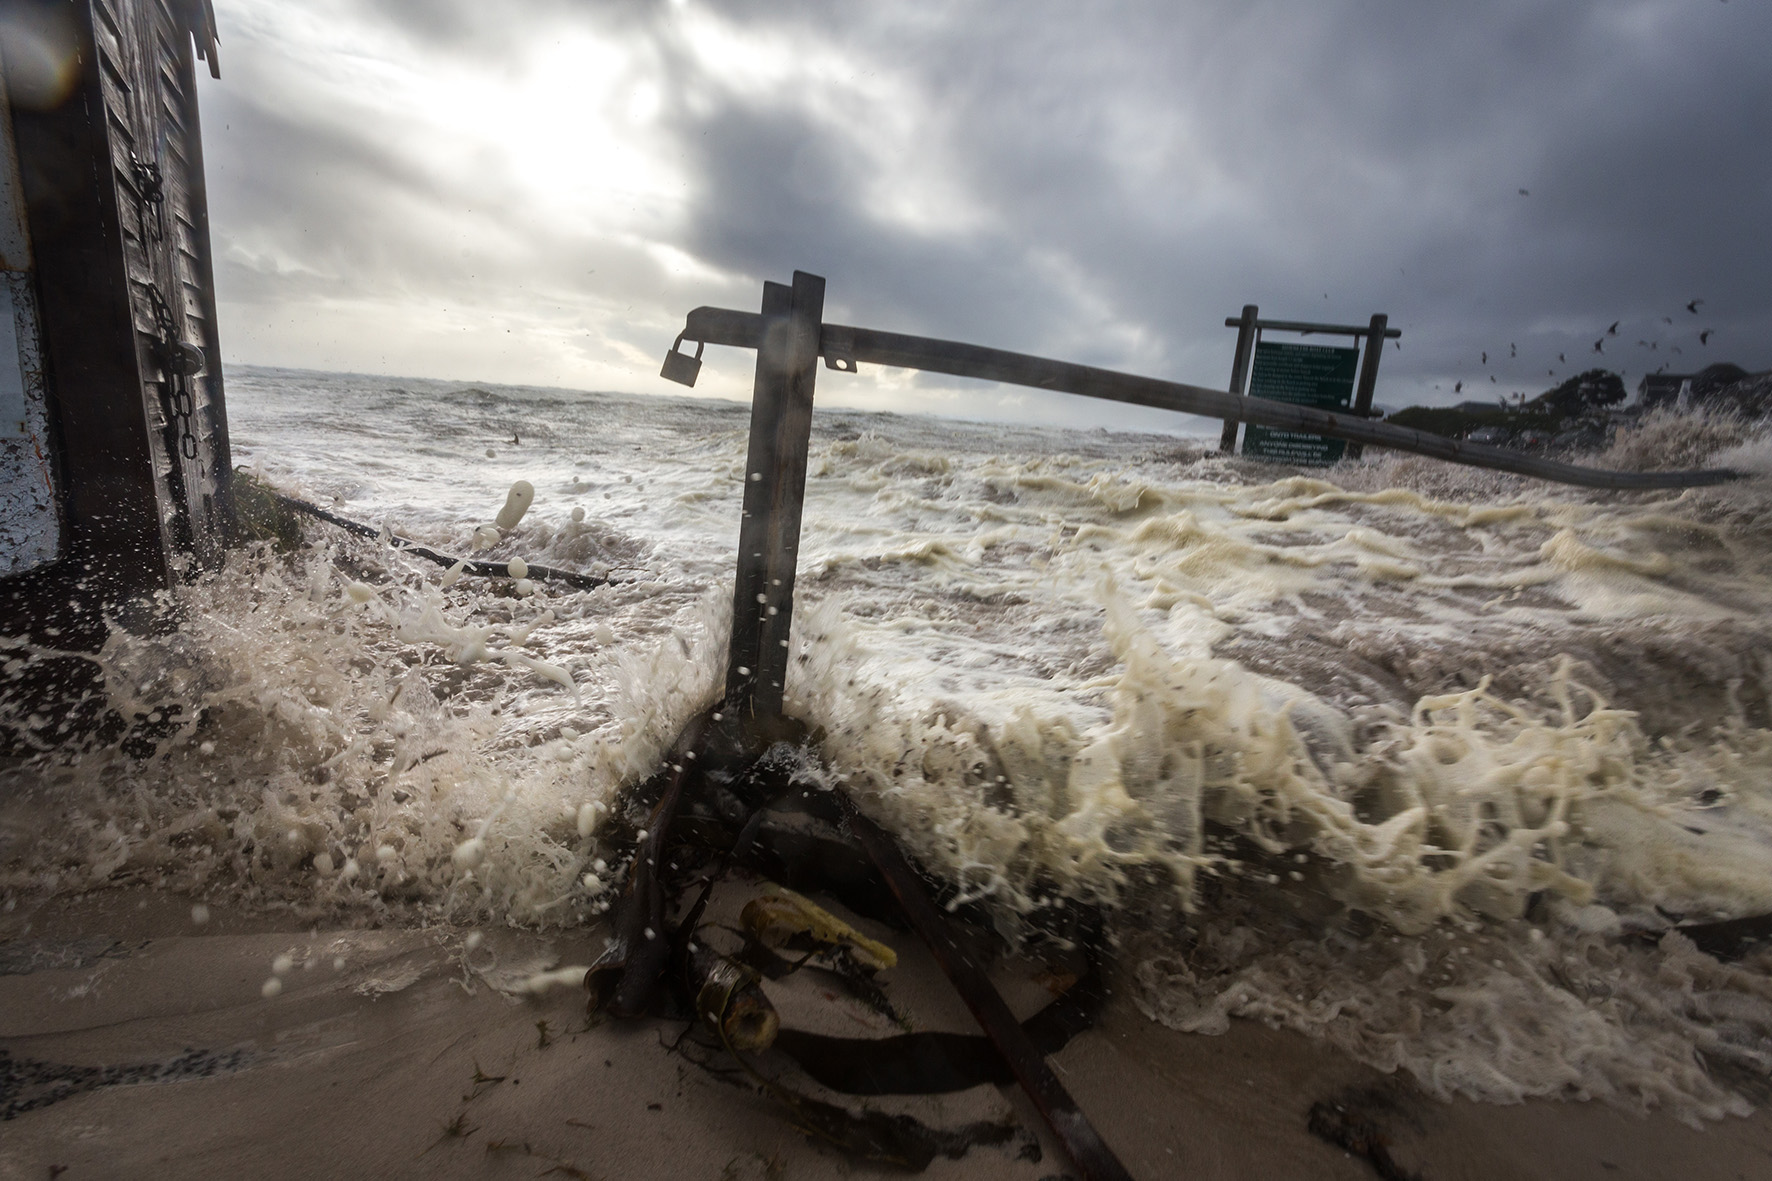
[[536, 191]]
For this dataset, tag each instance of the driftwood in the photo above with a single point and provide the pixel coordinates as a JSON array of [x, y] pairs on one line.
[[475, 567]]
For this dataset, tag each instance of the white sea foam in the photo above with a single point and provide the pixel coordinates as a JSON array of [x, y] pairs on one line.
[[1312, 734]]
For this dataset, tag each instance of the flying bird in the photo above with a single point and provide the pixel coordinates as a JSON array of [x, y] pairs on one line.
[[1693, 306], [1458, 388], [1485, 358], [1511, 352], [1613, 331], [1704, 337], [1673, 348], [1491, 378], [1667, 319], [1599, 345], [1524, 193], [1562, 358]]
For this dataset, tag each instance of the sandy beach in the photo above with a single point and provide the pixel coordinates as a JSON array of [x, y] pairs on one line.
[[370, 1068]]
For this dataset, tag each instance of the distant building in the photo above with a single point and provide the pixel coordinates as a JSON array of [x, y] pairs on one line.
[[1703, 388], [1662, 389]]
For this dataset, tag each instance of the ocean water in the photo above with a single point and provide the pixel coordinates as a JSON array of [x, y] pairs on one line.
[[1424, 761]]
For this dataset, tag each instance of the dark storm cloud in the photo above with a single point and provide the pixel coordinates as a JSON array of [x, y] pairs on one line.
[[1185, 159], [1107, 182]]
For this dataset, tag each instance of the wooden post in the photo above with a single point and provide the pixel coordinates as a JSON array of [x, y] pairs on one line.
[[1368, 375], [1239, 370], [774, 491]]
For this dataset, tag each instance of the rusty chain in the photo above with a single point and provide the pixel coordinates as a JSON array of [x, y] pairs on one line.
[[170, 352]]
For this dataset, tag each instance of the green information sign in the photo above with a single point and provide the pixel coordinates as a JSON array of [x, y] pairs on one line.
[[1316, 375]]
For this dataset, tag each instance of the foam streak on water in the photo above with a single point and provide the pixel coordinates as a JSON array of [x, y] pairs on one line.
[[1393, 753]]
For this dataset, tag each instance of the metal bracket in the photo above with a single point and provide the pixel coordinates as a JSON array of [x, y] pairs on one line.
[[837, 343]]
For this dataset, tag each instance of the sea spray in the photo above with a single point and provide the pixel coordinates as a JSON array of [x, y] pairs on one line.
[[1423, 761]]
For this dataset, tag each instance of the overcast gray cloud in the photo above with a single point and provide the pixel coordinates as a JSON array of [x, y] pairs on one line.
[[538, 191]]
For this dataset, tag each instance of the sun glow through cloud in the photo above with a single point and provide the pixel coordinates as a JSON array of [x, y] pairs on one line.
[[538, 191]]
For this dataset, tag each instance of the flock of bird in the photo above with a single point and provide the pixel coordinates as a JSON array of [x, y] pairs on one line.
[[1692, 307], [1704, 335]]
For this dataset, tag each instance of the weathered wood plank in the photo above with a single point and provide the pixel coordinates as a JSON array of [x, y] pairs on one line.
[[112, 503], [1376, 332], [775, 489], [851, 345], [1246, 334]]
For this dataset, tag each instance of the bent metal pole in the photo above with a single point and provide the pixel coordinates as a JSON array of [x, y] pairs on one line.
[[844, 347]]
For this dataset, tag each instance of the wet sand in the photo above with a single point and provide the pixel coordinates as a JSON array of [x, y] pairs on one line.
[[370, 1068]]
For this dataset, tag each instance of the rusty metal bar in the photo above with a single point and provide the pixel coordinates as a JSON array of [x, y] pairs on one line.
[[1247, 332], [843, 347]]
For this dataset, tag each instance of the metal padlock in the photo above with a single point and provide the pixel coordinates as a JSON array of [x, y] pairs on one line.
[[681, 367]]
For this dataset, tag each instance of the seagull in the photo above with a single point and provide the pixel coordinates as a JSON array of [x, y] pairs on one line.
[[1562, 358], [1458, 388], [1491, 378], [1693, 306], [1704, 337], [1613, 331], [1598, 345], [1485, 358]]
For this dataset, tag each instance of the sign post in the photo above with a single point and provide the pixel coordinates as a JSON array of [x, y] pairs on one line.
[[1247, 334], [1315, 376], [1376, 334]]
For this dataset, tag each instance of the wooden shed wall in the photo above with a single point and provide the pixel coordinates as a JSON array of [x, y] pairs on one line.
[[140, 511]]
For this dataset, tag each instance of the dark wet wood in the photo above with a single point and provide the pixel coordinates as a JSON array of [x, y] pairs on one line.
[[1376, 333], [743, 329], [1246, 334], [106, 459], [136, 510], [471, 566], [1312, 328], [136, 513], [774, 492]]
